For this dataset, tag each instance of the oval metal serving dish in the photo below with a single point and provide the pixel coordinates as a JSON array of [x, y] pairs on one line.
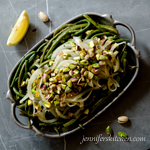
[[133, 52]]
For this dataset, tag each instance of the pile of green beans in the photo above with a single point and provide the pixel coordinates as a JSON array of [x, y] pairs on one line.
[[44, 52]]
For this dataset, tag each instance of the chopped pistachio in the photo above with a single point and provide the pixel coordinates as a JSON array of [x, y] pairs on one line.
[[51, 62], [56, 70], [66, 69], [53, 87], [95, 71], [74, 79], [30, 102], [101, 57], [102, 63], [47, 104], [82, 78], [56, 97], [68, 90], [67, 77], [95, 77], [86, 111], [33, 90], [96, 65], [27, 80], [84, 62], [71, 72], [63, 78], [23, 84], [91, 44], [85, 73], [72, 66], [90, 67], [37, 94], [57, 103], [53, 74], [82, 70], [87, 80], [58, 77], [66, 55], [61, 70], [88, 31], [69, 83], [69, 95], [32, 71], [91, 52], [77, 58], [63, 86], [53, 80], [87, 57], [76, 71]]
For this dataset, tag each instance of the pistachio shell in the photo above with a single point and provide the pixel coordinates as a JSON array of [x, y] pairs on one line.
[[43, 17], [123, 119]]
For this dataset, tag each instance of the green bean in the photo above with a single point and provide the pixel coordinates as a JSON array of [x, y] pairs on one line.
[[32, 67], [29, 123], [41, 47], [20, 74], [72, 121], [124, 64], [101, 26], [44, 63], [22, 106], [50, 41], [26, 105], [26, 114], [112, 37], [25, 57], [31, 58], [51, 124], [84, 29], [123, 55], [121, 40], [81, 126], [56, 42], [100, 34], [66, 110], [26, 70], [17, 93], [62, 27], [91, 33], [98, 103], [49, 56], [56, 129]]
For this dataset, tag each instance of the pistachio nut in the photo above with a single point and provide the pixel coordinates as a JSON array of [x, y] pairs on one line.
[[108, 130], [123, 119], [122, 134]]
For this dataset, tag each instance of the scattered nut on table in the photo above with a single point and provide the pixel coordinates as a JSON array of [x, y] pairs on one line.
[[43, 17], [123, 119]]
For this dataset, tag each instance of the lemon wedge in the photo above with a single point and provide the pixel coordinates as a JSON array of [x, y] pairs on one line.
[[19, 30]]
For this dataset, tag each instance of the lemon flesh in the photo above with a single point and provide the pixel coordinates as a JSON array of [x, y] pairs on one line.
[[19, 30]]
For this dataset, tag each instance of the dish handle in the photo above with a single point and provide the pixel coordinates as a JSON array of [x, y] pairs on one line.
[[133, 40], [13, 105]]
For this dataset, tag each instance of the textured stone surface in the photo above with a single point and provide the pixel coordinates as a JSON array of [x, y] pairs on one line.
[[135, 103]]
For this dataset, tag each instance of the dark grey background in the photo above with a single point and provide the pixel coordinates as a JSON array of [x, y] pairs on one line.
[[134, 103]]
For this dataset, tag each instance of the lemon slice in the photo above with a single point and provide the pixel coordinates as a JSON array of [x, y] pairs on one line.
[[19, 30]]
